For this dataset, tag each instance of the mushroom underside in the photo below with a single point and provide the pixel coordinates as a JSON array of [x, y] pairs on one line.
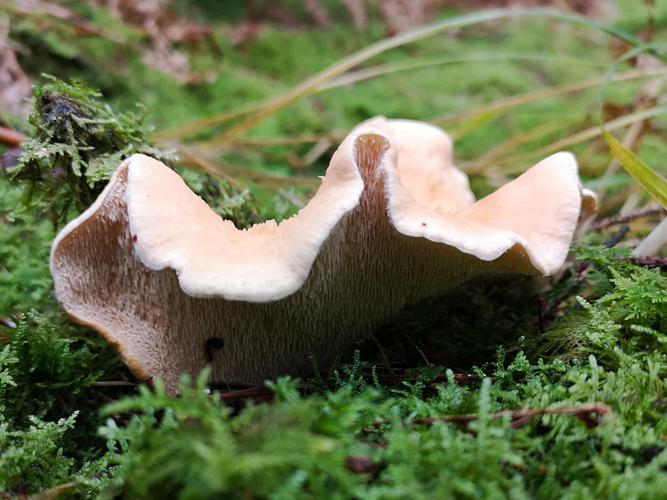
[[365, 271]]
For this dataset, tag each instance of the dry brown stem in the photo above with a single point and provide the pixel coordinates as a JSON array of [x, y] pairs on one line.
[[590, 414], [10, 137], [616, 220]]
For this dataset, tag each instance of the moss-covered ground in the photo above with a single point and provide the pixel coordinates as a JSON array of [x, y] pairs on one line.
[[386, 421]]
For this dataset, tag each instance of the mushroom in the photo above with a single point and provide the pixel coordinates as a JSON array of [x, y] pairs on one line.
[[175, 288]]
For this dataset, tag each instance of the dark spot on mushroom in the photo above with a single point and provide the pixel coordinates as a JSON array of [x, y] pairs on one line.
[[213, 343], [423, 224], [134, 238]]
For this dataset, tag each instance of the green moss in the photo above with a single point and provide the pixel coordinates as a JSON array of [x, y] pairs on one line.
[[478, 350], [302, 444], [76, 142]]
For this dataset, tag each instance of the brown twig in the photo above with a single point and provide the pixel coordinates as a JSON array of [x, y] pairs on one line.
[[655, 262], [10, 137], [646, 211], [114, 383], [256, 394], [6, 322], [56, 491], [590, 414]]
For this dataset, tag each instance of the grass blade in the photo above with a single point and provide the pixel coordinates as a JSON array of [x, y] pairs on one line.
[[651, 181], [313, 83], [544, 93], [368, 73], [571, 140], [350, 78]]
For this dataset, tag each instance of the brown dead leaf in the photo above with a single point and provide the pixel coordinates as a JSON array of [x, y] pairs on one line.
[[317, 12], [163, 30], [15, 86], [357, 12], [402, 15]]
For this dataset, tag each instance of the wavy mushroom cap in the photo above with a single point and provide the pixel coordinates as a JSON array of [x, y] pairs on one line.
[[158, 273]]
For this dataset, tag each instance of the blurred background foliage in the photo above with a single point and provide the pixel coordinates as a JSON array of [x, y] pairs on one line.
[[184, 81]]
